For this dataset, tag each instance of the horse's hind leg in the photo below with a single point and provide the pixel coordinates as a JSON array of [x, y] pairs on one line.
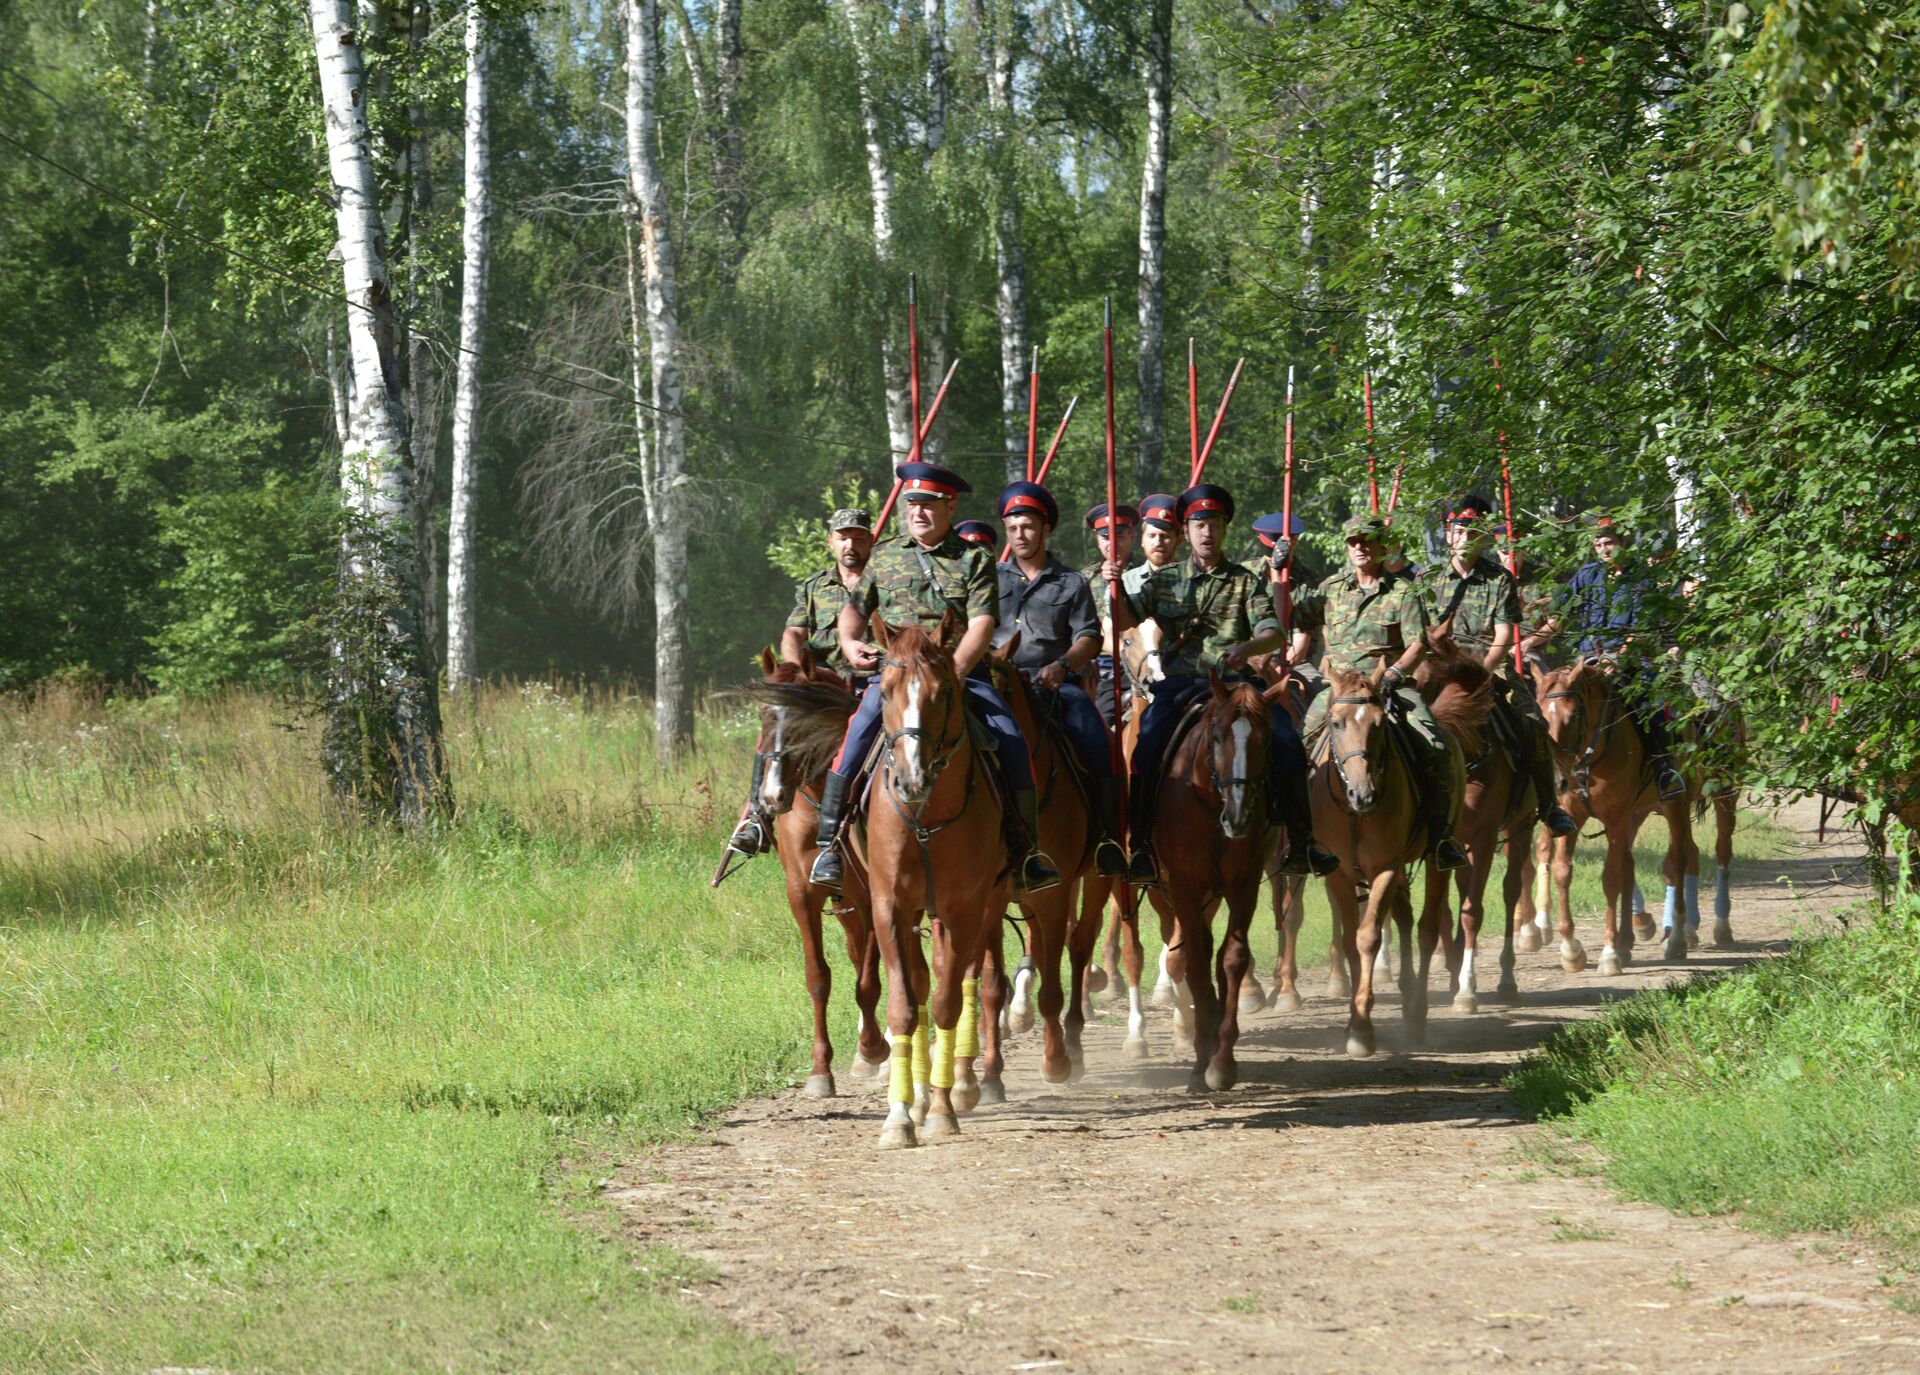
[[1416, 970], [1530, 916], [1235, 965], [1473, 918], [1046, 942], [1573, 955], [1289, 909], [991, 1087], [1682, 864], [806, 905], [1134, 962], [1513, 885], [1340, 942], [863, 953], [1723, 823], [1616, 881], [1081, 938]]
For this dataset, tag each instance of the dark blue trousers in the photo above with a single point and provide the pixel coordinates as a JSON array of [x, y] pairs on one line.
[[1081, 721], [1286, 757], [982, 702]]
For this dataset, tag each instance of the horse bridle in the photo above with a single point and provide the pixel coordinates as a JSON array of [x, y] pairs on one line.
[[946, 748], [1581, 771], [1340, 760], [1222, 782]]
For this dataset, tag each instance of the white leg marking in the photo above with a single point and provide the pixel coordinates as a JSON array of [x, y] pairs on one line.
[[1466, 971], [770, 780], [1136, 1015], [1022, 992]]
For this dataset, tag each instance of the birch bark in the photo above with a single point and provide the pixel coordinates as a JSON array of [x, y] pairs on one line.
[[1153, 244], [423, 386], [664, 494], [1010, 296], [476, 236]]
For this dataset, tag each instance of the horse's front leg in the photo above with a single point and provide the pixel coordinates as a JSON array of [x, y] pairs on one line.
[[899, 951], [1723, 823], [1536, 863], [1193, 928], [1513, 887], [991, 1087], [1235, 965], [1573, 955], [943, 1014], [1134, 966], [1682, 872], [1616, 881], [1081, 938], [1047, 937], [1290, 909]]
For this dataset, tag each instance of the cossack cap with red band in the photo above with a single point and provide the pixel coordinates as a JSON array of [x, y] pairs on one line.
[[1159, 508], [977, 532], [929, 482], [1097, 517], [1206, 499], [1610, 528], [1267, 529], [1470, 509], [1029, 498]]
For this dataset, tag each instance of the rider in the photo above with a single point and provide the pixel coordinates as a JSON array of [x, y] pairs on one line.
[[1213, 615], [1115, 537], [914, 579], [1369, 615], [813, 624], [1481, 599], [1279, 537], [1052, 608], [1610, 607]]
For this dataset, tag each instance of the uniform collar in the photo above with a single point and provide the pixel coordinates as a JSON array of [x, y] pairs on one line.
[[1053, 565], [1222, 569], [947, 548]]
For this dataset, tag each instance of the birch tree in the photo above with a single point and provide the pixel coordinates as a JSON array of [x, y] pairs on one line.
[[382, 744], [1010, 295], [423, 386], [476, 233], [664, 477], [1153, 243]]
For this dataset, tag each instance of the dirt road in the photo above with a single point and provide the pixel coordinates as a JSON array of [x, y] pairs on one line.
[[1328, 1214]]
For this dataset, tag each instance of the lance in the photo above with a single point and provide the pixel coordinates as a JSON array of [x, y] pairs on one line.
[[1513, 552], [1033, 410], [1113, 600], [1393, 496], [1047, 462], [1226, 399], [1193, 412], [919, 438], [1286, 526], [1373, 476]]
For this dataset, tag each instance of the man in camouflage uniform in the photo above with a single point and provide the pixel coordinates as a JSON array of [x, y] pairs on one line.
[[914, 579], [1116, 538], [1371, 617], [1214, 614], [1480, 598], [814, 625]]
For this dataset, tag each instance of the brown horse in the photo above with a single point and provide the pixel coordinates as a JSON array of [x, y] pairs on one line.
[[803, 715], [1210, 831], [1497, 812], [933, 845], [1366, 809], [1602, 759]]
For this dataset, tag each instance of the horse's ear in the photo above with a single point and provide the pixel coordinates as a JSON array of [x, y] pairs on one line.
[[767, 661], [950, 631], [1218, 688], [1378, 676], [1539, 677], [1005, 647], [806, 661], [882, 632], [1440, 637]]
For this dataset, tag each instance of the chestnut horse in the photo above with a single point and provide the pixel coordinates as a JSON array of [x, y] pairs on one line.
[[803, 715], [1366, 809], [1210, 831], [1497, 812], [1602, 759], [933, 844]]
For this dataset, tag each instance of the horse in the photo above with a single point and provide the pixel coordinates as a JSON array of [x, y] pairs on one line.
[[1366, 809], [1606, 779], [1210, 831], [933, 843], [1496, 814], [803, 715]]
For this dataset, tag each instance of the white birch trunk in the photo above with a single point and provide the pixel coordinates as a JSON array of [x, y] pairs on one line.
[[729, 64], [423, 387], [1153, 245], [476, 234], [880, 182], [1010, 296], [935, 12], [667, 513], [403, 730]]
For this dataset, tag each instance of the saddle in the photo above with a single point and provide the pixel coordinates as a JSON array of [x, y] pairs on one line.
[[860, 790], [1189, 718]]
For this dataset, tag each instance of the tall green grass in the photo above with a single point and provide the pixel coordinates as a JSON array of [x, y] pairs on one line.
[[1788, 1093]]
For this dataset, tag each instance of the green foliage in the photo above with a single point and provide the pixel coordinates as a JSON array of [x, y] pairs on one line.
[[1789, 1093], [801, 551]]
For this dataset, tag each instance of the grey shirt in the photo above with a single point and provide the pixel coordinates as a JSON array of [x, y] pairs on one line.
[[1051, 611]]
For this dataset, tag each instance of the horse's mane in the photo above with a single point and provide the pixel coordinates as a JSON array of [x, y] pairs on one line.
[[1458, 690], [914, 648], [817, 711], [1342, 683]]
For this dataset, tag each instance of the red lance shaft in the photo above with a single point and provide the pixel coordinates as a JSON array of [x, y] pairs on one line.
[[1213, 434], [1047, 462], [1193, 413], [1513, 551], [1286, 526], [919, 438], [1113, 596], [1033, 410], [1373, 476], [1393, 497]]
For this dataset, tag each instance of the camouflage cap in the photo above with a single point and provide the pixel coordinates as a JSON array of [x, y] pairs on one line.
[[850, 518], [1366, 527]]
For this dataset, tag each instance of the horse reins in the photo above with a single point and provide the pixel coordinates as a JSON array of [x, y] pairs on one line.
[[915, 817]]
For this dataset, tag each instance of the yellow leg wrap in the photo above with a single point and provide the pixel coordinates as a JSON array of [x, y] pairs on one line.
[[967, 1033], [900, 1087], [943, 1042], [922, 1048]]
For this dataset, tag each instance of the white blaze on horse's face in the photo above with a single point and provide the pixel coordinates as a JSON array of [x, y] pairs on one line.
[[910, 767], [772, 794], [1235, 818]]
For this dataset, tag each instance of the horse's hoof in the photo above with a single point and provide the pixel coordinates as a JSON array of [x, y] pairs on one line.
[[863, 1068], [1221, 1078], [1643, 926], [1677, 946], [1611, 964], [896, 1135], [818, 1086], [1163, 994], [1507, 990], [1693, 938], [966, 1097], [1573, 956], [1359, 1047], [1076, 1068], [1019, 1023], [1252, 999], [941, 1126], [1096, 979], [1285, 1000], [1527, 939], [1197, 1083], [1339, 986], [1055, 1071], [1723, 935], [1464, 1001], [1135, 1048], [992, 1092]]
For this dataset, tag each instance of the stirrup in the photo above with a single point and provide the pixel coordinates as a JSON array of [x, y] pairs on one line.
[[1670, 784], [1035, 873], [749, 837], [1109, 858], [826, 871], [1142, 872], [1559, 822], [1449, 853]]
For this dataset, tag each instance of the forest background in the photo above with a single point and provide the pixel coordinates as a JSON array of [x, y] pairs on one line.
[[1659, 256]]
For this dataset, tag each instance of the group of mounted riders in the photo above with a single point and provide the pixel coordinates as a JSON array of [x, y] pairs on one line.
[[1205, 617]]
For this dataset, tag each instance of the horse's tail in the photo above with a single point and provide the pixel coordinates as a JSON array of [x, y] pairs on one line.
[[1462, 702]]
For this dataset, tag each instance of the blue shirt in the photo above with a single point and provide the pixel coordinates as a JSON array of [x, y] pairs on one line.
[[1605, 607], [1051, 611]]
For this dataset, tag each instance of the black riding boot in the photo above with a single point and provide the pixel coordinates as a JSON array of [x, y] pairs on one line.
[[1033, 872], [1305, 855], [754, 834], [1666, 779], [833, 805], [1443, 847], [1141, 868], [1553, 816], [1108, 857]]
